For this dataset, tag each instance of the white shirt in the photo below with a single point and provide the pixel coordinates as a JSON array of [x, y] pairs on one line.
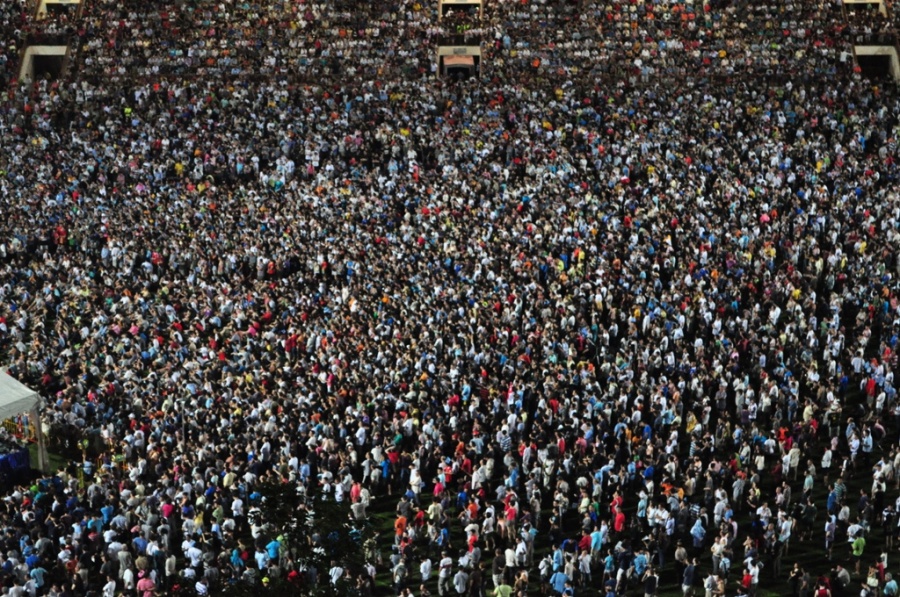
[[128, 579], [109, 589], [445, 566], [336, 573], [194, 554]]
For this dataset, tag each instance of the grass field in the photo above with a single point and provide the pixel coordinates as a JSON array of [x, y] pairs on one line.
[[809, 554]]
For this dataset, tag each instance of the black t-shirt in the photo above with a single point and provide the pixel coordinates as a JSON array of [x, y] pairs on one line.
[[650, 584], [498, 565]]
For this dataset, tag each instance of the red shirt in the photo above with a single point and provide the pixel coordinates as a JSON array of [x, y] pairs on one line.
[[470, 543], [585, 543], [617, 501], [619, 524]]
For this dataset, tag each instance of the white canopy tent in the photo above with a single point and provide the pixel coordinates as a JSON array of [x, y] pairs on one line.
[[16, 399]]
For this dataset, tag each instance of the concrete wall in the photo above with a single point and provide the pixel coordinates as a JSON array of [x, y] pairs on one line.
[[474, 51], [882, 51], [459, 51], [26, 72]]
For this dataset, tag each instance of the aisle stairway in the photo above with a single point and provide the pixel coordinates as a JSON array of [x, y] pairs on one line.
[[50, 39], [876, 45], [458, 48]]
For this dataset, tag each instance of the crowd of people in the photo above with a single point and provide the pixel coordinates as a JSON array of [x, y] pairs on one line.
[[309, 41], [619, 312], [869, 24], [667, 39], [12, 36], [559, 41]]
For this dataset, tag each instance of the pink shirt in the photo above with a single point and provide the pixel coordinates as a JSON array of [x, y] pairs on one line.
[[146, 586]]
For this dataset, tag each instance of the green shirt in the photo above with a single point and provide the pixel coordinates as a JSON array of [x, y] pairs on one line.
[[859, 544], [503, 590]]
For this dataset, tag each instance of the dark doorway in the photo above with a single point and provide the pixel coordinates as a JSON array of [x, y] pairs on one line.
[[875, 66], [48, 65], [460, 72]]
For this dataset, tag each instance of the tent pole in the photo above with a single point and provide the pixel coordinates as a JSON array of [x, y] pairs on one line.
[[43, 460]]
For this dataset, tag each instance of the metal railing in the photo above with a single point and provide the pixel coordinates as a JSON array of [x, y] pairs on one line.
[[21, 427]]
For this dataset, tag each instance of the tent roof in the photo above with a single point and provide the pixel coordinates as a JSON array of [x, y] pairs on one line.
[[15, 398]]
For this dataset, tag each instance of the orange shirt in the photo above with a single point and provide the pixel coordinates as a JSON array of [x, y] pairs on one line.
[[473, 510], [400, 525]]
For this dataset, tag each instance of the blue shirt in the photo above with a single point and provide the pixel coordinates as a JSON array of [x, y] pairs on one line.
[[697, 531], [558, 581], [688, 579], [609, 563], [32, 561], [557, 559], [832, 500], [38, 575], [273, 548], [140, 545], [640, 564]]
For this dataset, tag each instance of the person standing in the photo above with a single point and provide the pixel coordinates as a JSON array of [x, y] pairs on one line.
[[335, 573], [497, 568], [503, 590], [109, 589], [830, 533], [890, 588], [425, 569], [681, 559], [698, 534], [399, 575], [145, 585], [476, 581], [445, 567], [688, 578], [754, 568], [651, 582], [857, 548], [461, 581], [558, 582]]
